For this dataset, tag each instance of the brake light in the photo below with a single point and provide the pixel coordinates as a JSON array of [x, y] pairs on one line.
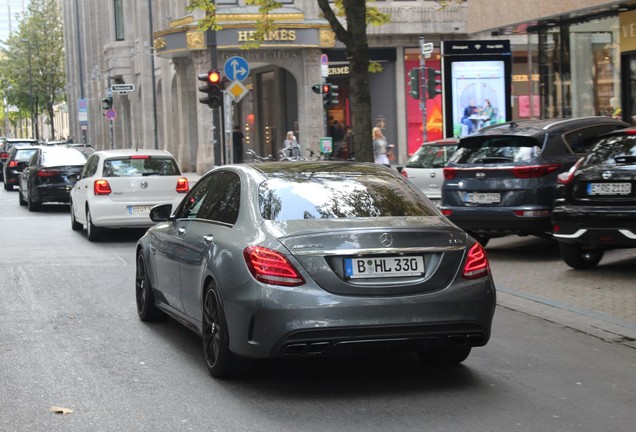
[[450, 173], [566, 177], [139, 157], [271, 267], [48, 172], [182, 185], [447, 212], [476, 263], [13, 164], [4, 155], [534, 171], [101, 187]]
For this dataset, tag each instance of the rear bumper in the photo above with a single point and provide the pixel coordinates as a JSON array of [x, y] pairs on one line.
[[106, 213], [501, 220], [596, 225]]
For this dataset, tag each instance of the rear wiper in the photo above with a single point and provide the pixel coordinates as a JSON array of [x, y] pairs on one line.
[[493, 159], [150, 173]]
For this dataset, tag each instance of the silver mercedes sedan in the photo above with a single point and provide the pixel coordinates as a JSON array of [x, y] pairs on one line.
[[306, 259]]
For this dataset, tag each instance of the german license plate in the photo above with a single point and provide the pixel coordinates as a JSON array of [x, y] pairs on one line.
[[139, 210], [482, 197], [609, 188], [383, 267]]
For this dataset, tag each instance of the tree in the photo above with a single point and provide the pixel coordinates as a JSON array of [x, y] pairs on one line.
[[41, 31]]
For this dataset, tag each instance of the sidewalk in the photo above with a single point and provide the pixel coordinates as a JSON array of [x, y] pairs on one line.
[[600, 302]]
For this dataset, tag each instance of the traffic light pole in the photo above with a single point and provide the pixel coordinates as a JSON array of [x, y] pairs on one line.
[[216, 112], [423, 90]]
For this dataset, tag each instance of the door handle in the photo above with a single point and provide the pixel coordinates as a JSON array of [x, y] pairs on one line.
[[180, 231], [207, 239]]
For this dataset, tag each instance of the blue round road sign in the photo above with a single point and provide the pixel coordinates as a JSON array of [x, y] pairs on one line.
[[236, 68]]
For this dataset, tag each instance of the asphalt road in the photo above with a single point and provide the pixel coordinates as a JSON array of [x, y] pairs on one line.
[[70, 338]]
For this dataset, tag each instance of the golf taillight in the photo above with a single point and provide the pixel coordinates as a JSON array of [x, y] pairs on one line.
[[182, 185], [271, 267], [101, 187], [476, 263]]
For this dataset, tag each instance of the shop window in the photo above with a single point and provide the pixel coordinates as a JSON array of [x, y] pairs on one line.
[[119, 20]]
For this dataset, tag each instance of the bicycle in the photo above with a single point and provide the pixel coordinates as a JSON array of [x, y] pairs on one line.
[[259, 158]]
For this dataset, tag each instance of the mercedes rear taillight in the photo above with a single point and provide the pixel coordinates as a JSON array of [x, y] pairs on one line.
[[476, 263], [271, 267], [101, 187]]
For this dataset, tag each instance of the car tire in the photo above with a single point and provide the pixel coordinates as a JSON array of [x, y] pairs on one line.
[[75, 225], [447, 357], [8, 187], [31, 205], [146, 308], [20, 199], [220, 362], [481, 238], [578, 257], [94, 233]]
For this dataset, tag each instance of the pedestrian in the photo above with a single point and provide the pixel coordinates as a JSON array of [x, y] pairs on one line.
[[291, 148], [346, 152], [380, 147], [237, 144]]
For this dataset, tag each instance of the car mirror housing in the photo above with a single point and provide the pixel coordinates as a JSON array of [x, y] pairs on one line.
[[161, 213]]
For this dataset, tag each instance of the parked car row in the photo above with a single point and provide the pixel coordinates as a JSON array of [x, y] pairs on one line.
[[503, 180]]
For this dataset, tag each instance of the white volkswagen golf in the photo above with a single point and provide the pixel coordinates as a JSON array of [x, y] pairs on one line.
[[117, 189]]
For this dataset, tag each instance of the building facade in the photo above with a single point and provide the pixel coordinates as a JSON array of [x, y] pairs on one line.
[[157, 47]]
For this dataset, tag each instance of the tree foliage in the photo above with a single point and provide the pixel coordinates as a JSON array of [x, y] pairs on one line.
[[41, 33]]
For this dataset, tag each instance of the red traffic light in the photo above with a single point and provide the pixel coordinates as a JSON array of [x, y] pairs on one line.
[[326, 88], [214, 77]]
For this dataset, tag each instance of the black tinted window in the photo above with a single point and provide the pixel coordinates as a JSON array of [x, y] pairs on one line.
[[496, 149], [190, 207], [431, 156], [616, 150], [337, 195], [222, 203]]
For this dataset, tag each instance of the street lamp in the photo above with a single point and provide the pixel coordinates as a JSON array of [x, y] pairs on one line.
[[28, 42]]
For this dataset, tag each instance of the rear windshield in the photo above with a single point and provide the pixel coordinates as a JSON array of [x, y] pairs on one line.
[[336, 196], [615, 150], [496, 149], [136, 167], [24, 155], [431, 156], [63, 158]]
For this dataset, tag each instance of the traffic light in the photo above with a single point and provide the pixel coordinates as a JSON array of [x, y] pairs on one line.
[[316, 88], [414, 83], [326, 95], [107, 103], [333, 95], [212, 88], [432, 81]]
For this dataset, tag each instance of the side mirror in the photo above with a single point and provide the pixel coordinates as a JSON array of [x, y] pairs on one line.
[[161, 212]]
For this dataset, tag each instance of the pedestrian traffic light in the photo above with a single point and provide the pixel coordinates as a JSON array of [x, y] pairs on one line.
[[414, 83], [212, 89], [333, 95], [316, 88], [432, 81], [107, 103]]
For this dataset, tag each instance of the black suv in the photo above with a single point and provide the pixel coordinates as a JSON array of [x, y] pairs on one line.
[[19, 157], [595, 205], [6, 147], [501, 180]]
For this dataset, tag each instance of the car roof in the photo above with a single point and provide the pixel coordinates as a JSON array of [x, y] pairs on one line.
[[129, 152], [14, 140], [443, 141], [308, 169], [540, 127]]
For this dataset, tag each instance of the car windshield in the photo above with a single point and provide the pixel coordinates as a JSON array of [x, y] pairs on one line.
[[496, 149], [140, 166], [614, 150], [63, 158], [335, 195], [431, 156]]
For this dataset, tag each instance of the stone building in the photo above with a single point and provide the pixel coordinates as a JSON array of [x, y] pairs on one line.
[[157, 47]]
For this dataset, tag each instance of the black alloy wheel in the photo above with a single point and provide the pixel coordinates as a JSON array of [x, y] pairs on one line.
[[219, 360], [447, 357], [146, 308], [93, 232], [578, 257]]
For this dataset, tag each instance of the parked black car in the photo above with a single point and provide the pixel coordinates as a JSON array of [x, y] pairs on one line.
[[6, 147], [595, 205], [49, 176], [19, 157], [501, 180]]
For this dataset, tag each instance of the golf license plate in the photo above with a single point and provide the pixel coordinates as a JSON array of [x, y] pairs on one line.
[[609, 188], [382, 267], [138, 210]]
